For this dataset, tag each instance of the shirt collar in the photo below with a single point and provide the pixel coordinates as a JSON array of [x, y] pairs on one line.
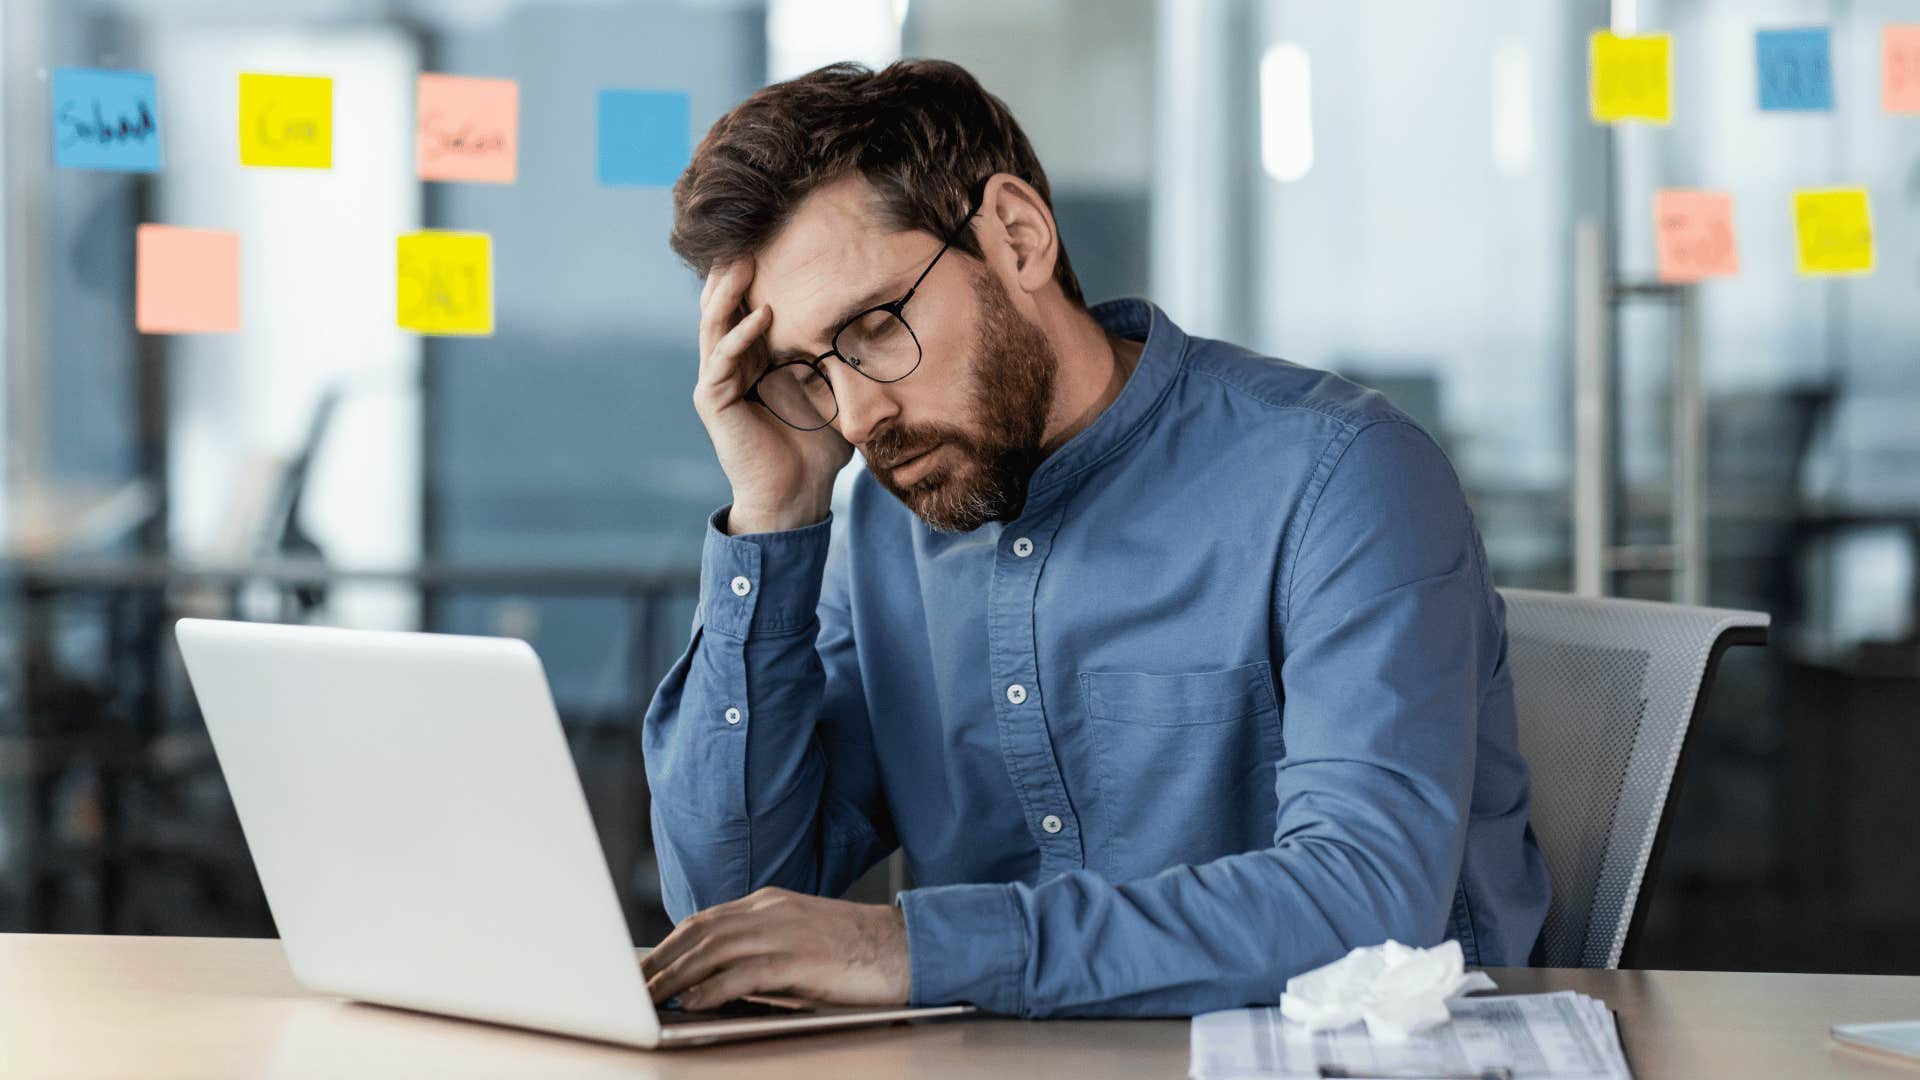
[[1162, 358]]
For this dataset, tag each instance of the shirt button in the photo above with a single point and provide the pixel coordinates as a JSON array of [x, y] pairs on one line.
[[1016, 693], [1051, 823], [741, 586], [733, 716], [1023, 547]]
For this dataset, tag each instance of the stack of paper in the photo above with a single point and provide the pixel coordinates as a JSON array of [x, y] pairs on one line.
[[1563, 1036]]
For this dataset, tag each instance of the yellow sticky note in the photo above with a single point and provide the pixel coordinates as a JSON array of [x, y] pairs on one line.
[[446, 282], [286, 120], [1630, 78], [1833, 231]]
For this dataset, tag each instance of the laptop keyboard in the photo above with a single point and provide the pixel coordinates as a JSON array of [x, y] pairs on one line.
[[738, 1009]]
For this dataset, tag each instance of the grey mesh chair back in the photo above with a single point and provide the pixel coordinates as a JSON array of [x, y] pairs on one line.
[[1607, 692]]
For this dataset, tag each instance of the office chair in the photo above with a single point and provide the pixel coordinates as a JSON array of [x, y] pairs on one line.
[[1607, 692]]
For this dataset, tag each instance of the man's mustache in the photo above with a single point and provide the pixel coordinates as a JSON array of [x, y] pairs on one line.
[[889, 449]]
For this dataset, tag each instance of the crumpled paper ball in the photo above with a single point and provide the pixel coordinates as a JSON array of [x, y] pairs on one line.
[[1397, 989]]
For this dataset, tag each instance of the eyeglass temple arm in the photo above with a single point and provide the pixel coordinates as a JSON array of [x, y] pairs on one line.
[[979, 196]]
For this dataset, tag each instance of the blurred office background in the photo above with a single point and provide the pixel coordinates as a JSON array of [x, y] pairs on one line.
[[1409, 193]]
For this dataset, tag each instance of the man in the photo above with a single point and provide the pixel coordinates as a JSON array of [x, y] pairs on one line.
[[1173, 669]]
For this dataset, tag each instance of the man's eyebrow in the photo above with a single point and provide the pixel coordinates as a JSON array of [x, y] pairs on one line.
[[873, 299]]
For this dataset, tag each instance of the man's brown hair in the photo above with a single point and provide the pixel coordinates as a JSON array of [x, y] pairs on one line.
[[923, 133]]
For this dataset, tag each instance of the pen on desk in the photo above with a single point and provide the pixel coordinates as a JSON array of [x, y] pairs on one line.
[[1341, 1073]]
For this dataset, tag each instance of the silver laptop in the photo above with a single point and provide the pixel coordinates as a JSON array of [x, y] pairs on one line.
[[417, 823]]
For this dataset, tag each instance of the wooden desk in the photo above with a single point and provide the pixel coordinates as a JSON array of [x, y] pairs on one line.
[[73, 1006]]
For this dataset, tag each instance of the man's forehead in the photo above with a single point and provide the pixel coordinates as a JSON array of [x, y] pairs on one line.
[[835, 248]]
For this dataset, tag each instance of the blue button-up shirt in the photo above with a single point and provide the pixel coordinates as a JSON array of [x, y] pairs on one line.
[[1228, 699]]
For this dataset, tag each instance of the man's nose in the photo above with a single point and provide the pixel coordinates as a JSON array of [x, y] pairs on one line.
[[864, 405]]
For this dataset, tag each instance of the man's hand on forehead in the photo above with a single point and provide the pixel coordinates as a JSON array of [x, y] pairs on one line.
[[782, 476]]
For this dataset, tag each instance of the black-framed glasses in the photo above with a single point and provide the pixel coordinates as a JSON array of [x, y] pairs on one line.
[[876, 343]]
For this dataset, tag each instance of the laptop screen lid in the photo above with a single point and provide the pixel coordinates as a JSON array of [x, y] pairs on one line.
[[418, 824]]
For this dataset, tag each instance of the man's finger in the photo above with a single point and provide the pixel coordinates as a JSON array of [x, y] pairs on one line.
[[760, 975], [759, 923], [716, 950], [720, 306], [697, 926], [721, 366], [680, 938], [716, 274]]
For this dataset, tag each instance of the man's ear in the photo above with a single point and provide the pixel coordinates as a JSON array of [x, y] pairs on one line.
[[1017, 227]]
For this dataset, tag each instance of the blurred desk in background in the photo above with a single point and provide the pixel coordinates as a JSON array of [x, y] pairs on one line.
[[107, 779]]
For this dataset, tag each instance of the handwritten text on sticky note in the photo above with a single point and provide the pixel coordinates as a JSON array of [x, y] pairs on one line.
[[1693, 235], [468, 129], [1900, 69], [286, 120], [105, 120], [1795, 72], [1630, 78], [1833, 231], [645, 137], [186, 281], [446, 282]]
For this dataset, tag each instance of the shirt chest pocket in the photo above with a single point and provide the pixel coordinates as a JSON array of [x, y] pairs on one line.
[[1183, 764], [1185, 700]]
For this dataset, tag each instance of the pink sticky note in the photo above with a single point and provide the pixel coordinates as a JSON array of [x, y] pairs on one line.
[[467, 129], [1693, 235], [1900, 69], [187, 281]]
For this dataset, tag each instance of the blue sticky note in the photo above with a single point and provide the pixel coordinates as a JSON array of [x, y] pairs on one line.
[[645, 137], [1795, 70], [105, 120]]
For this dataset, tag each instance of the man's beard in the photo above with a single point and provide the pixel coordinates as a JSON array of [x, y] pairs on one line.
[[987, 470]]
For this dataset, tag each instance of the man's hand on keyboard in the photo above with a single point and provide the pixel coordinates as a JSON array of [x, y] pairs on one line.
[[777, 941]]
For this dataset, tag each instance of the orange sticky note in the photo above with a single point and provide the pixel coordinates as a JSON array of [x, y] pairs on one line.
[[467, 129], [187, 281], [1900, 69], [1693, 235]]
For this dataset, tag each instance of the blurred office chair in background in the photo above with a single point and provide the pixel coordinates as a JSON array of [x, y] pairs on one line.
[[1607, 692]]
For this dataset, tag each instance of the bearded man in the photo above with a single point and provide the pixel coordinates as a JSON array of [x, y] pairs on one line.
[[1174, 669]]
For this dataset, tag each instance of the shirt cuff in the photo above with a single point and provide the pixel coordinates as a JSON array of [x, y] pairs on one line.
[[966, 943], [761, 583]]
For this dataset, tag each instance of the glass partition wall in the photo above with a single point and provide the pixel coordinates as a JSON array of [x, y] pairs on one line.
[[1413, 195]]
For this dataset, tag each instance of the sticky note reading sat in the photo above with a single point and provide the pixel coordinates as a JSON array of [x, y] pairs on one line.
[[286, 121], [446, 282], [645, 137], [467, 129], [1833, 231], [1630, 78], [187, 281], [1795, 71], [105, 120], [1693, 235], [1900, 69]]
